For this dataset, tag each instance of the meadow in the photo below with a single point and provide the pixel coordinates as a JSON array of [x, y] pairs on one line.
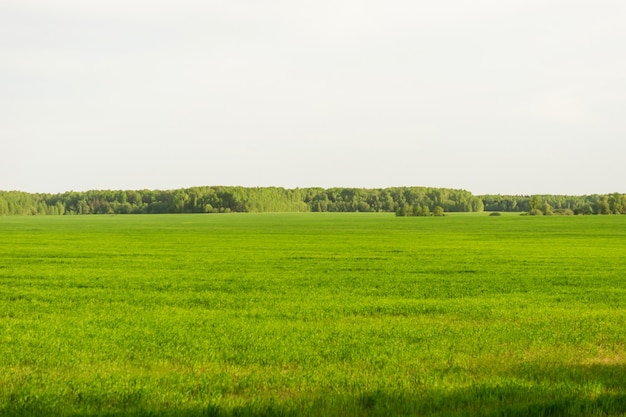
[[309, 314]]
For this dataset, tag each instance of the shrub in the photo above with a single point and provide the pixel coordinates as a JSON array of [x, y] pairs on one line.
[[564, 212]]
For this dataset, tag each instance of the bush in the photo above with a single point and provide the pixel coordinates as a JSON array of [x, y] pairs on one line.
[[495, 213], [564, 212]]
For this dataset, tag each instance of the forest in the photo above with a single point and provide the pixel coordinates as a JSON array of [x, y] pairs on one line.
[[226, 199]]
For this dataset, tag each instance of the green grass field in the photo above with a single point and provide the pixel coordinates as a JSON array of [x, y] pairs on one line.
[[312, 314]]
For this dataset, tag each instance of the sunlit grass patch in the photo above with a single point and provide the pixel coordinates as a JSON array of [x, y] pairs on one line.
[[312, 314]]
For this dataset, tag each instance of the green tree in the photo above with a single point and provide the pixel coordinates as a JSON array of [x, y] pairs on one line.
[[547, 209], [617, 203], [405, 210], [602, 206], [534, 203]]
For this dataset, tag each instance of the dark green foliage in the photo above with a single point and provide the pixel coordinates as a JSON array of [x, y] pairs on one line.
[[417, 210], [404, 201], [438, 211], [557, 204], [240, 199]]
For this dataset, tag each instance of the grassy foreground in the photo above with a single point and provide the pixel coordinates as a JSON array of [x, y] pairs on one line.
[[312, 314]]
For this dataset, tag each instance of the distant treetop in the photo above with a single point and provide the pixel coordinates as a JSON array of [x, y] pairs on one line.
[[226, 199]]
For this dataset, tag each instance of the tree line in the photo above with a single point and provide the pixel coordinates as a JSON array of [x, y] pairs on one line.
[[614, 203], [225, 199]]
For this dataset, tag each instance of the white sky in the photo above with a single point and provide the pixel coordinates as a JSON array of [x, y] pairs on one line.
[[492, 96]]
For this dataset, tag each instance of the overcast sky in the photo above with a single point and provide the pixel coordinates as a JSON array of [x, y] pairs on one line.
[[491, 96]]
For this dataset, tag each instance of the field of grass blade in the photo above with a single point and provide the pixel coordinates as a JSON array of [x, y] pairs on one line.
[[312, 314]]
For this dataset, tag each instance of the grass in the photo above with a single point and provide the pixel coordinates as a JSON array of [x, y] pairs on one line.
[[312, 314]]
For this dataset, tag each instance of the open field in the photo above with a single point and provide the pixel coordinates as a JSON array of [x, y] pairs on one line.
[[312, 314]]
